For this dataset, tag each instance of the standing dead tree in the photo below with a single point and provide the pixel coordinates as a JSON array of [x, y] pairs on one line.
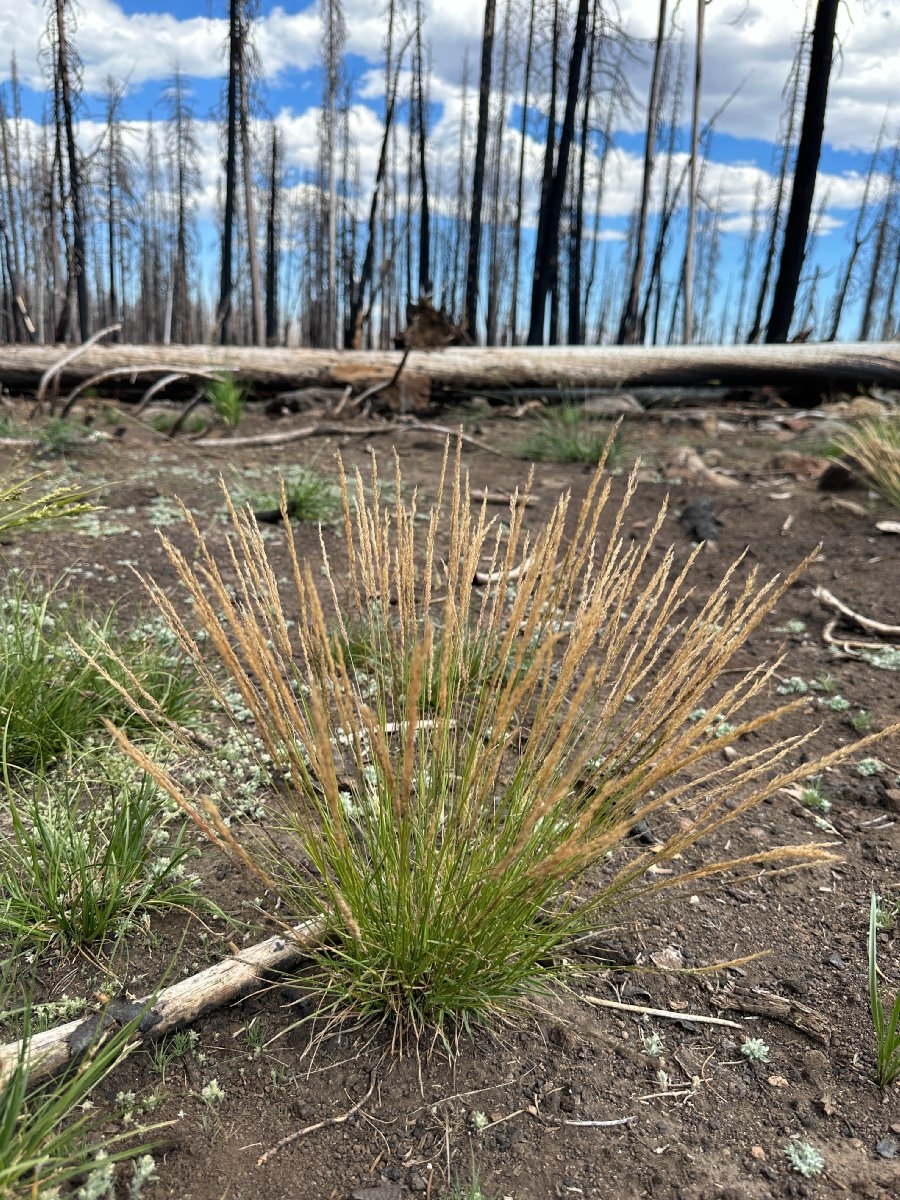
[[473, 263], [630, 331], [796, 230], [546, 254]]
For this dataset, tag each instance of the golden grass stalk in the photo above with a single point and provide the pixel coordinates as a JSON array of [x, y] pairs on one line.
[[449, 760]]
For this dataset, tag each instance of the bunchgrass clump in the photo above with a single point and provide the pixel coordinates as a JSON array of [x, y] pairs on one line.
[[875, 445], [567, 434], [448, 854], [306, 494], [51, 698], [90, 852], [886, 1024]]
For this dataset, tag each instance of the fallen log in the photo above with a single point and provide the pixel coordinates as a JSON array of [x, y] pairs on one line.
[[467, 369], [172, 1008]]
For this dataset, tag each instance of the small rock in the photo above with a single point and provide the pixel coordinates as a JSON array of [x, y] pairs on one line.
[[888, 1147], [834, 960], [387, 1191]]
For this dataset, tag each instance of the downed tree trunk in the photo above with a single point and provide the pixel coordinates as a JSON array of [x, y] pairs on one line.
[[174, 1007], [463, 369]]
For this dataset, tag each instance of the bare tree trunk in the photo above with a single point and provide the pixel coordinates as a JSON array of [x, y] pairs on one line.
[[792, 88], [547, 172], [692, 187], [65, 63], [606, 139], [235, 62], [425, 282], [258, 328], [629, 326], [272, 240], [806, 170], [859, 240], [493, 288], [547, 252], [520, 186], [881, 241], [484, 93], [654, 289], [576, 326], [455, 300], [749, 252], [353, 339]]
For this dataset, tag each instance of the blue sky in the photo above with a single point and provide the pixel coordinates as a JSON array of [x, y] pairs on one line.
[[753, 41]]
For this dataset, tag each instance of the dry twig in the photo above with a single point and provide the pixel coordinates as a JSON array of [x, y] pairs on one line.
[[67, 358], [659, 1012], [299, 1133]]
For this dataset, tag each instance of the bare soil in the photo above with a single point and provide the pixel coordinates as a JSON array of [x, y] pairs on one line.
[[568, 1102]]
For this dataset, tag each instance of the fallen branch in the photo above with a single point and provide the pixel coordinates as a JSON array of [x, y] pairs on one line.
[[848, 646], [132, 373], [359, 401], [421, 426], [174, 1007], [293, 1137], [600, 1124], [665, 1013], [76, 352], [866, 623], [777, 1008], [322, 429]]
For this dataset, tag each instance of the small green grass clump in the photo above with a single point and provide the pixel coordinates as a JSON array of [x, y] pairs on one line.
[[165, 422], [567, 434], [51, 697], [89, 857], [48, 1135], [885, 1024], [445, 847], [305, 493]]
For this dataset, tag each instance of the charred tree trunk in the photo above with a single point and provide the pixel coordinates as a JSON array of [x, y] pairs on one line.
[[64, 63], [793, 248], [272, 244], [481, 137], [630, 331], [226, 278]]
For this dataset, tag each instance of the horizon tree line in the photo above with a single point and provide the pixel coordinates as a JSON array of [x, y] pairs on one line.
[[111, 234]]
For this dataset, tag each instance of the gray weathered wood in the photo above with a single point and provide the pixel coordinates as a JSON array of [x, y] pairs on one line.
[[173, 1007], [472, 368]]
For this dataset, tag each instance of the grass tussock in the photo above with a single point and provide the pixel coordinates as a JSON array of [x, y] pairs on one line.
[[447, 844], [875, 445], [568, 434], [52, 698], [89, 854]]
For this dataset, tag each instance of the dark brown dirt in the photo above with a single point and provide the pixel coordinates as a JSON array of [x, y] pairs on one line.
[[697, 1122]]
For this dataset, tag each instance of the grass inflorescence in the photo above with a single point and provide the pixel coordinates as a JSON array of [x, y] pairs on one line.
[[875, 445]]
